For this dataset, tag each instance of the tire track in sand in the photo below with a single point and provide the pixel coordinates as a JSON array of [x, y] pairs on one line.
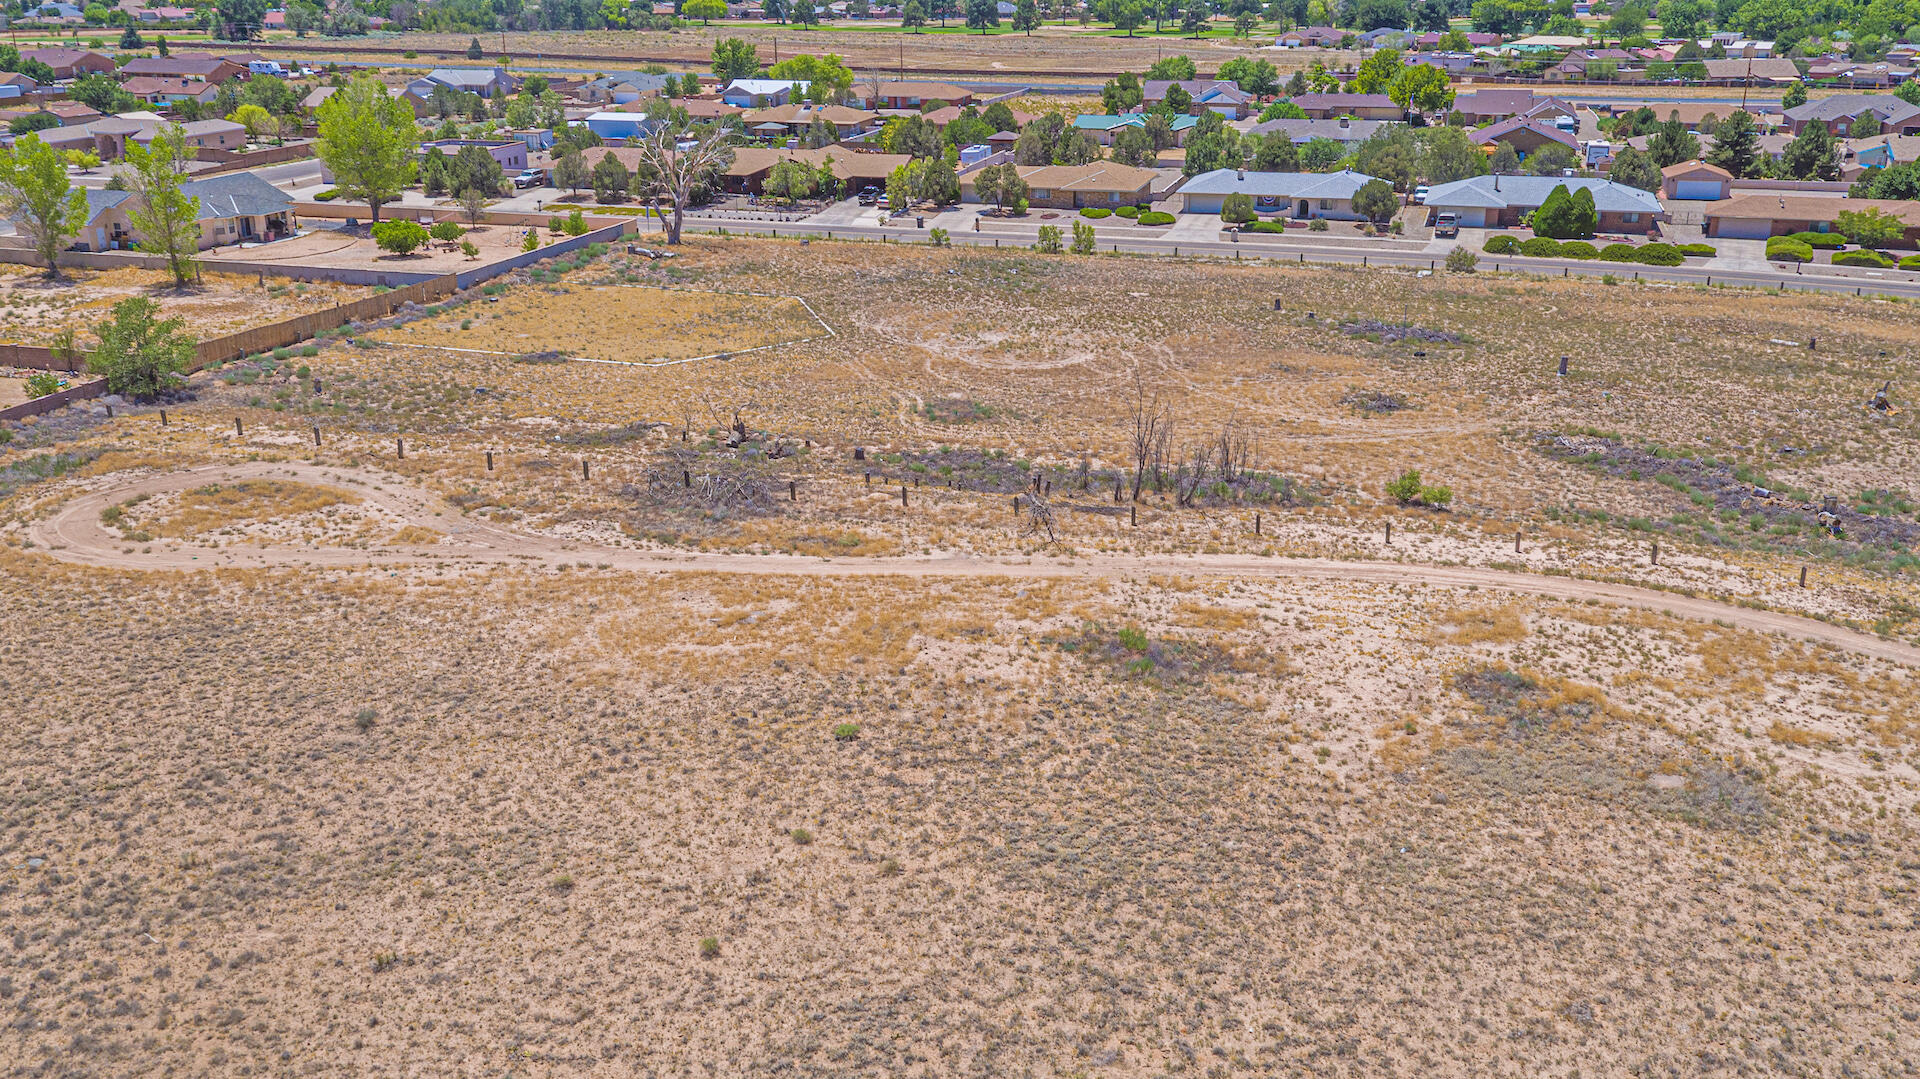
[[75, 534]]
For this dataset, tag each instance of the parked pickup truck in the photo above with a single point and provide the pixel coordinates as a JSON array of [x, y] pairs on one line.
[[530, 178], [1447, 224]]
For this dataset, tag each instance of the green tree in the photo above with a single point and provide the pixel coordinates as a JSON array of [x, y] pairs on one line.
[[1505, 160], [367, 139], [402, 237], [1447, 154], [1376, 201], [1908, 91], [1795, 96], [1378, 72], [242, 20], [1048, 240], [1685, 19], [790, 181], [913, 15], [1127, 15], [1237, 209], [734, 59], [1898, 182], [1133, 146], [1274, 153], [570, 171], [1671, 144], [1282, 110], [704, 10], [828, 77], [1084, 238], [1871, 227], [1635, 169], [1173, 69], [1423, 88], [610, 178], [473, 50], [102, 94], [1552, 159], [1320, 155], [166, 220], [1736, 144], [140, 354], [1812, 155], [446, 231], [1122, 93], [1026, 16], [982, 15], [34, 192]]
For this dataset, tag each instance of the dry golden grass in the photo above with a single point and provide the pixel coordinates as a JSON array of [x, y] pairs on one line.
[[32, 310], [202, 510]]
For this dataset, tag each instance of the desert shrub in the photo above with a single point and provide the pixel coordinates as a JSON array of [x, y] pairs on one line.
[[1698, 250], [575, 224], [1911, 262], [1155, 217], [1461, 260], [801, 836], [1863, 258], [363, 720], [1128, 212], [1409, 489], [1237, 209], [1096, 212], [1617, 253], [1501, 245], [399, 237], [1658, 254], [1788, 249], [1823, 240], [846, 732], [1540, 247], [1049, 240], [42, 383], [709, 947], [445, 231], [326, 196], [939, 237], [1318, 224], [1578, 249]]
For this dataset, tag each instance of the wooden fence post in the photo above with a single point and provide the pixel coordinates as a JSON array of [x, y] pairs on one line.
[[489, 460], [400, 448], [239, 431]]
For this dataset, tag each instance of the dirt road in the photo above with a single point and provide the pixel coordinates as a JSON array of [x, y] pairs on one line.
[[76, 534]]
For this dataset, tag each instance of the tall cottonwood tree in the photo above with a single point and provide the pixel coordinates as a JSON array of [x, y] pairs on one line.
[[367, 138], [166, 220]]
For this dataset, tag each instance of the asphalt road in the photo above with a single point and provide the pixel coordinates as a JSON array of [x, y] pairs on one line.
[[1337, 255]]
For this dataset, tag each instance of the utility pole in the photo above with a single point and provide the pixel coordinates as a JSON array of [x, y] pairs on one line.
[[1745, 84]]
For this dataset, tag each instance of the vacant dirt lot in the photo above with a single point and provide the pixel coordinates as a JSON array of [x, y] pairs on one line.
[[33, 309], [740, 754]]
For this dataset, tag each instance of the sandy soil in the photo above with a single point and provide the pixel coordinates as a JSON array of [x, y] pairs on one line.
[[326, 247], [32, 309]]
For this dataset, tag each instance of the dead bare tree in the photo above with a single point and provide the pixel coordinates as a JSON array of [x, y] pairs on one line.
[[1235, 448], [1039, 513], [1192, 474], [673, 161], [1151, 433]]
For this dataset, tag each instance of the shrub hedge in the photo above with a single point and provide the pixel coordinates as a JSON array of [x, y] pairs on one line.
[[1578, 249], [328, 195], [1911, 262], [1788, 249], [1831, 240], [1658, 254], [1863, 258], [1263, 226], [1128, 212], [1155, 217], [1540, 247], [1698, 250], [1617, 253], [1501, 245], [1096, 212]]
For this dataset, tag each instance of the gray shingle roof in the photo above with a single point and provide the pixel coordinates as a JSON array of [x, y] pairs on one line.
[[241, 194], [1849, 105], [1501, 192], [1299, 185], [1305, 130]]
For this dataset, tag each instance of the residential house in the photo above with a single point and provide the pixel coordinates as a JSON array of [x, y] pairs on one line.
[[1694, 181], [1857, 115], [72, 112], [1297, 195], [762, 93], [621, 125], [1498, 201], [910, 94], [533, 138], [236, 208], [510, 153], [1386, 37], [1737, 46], [1769, 71], [1616, 65], [1345, 131], [941, 117], [751, 164], [1070, 187], [1699, 116], [1209, 95], [1525, 135], [487, 82], [623, 87], [108, 136], [316, 97], [204, 67], [1104, 127], [70, 63], [1758, 216], [1311, 37], [159, 91], [1499, 104], [1358, 106], [1859, 76], [15, 85], [1431, 40], [781, 121], [1882, 151], [1453, 63], [61, 13]]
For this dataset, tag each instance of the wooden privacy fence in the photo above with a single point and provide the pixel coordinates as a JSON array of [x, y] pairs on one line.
[[259, 338], [56, 399]]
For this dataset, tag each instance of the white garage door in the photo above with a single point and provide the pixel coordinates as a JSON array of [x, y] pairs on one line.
[[1697, 189], [1745, 228], [1473, 219]]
